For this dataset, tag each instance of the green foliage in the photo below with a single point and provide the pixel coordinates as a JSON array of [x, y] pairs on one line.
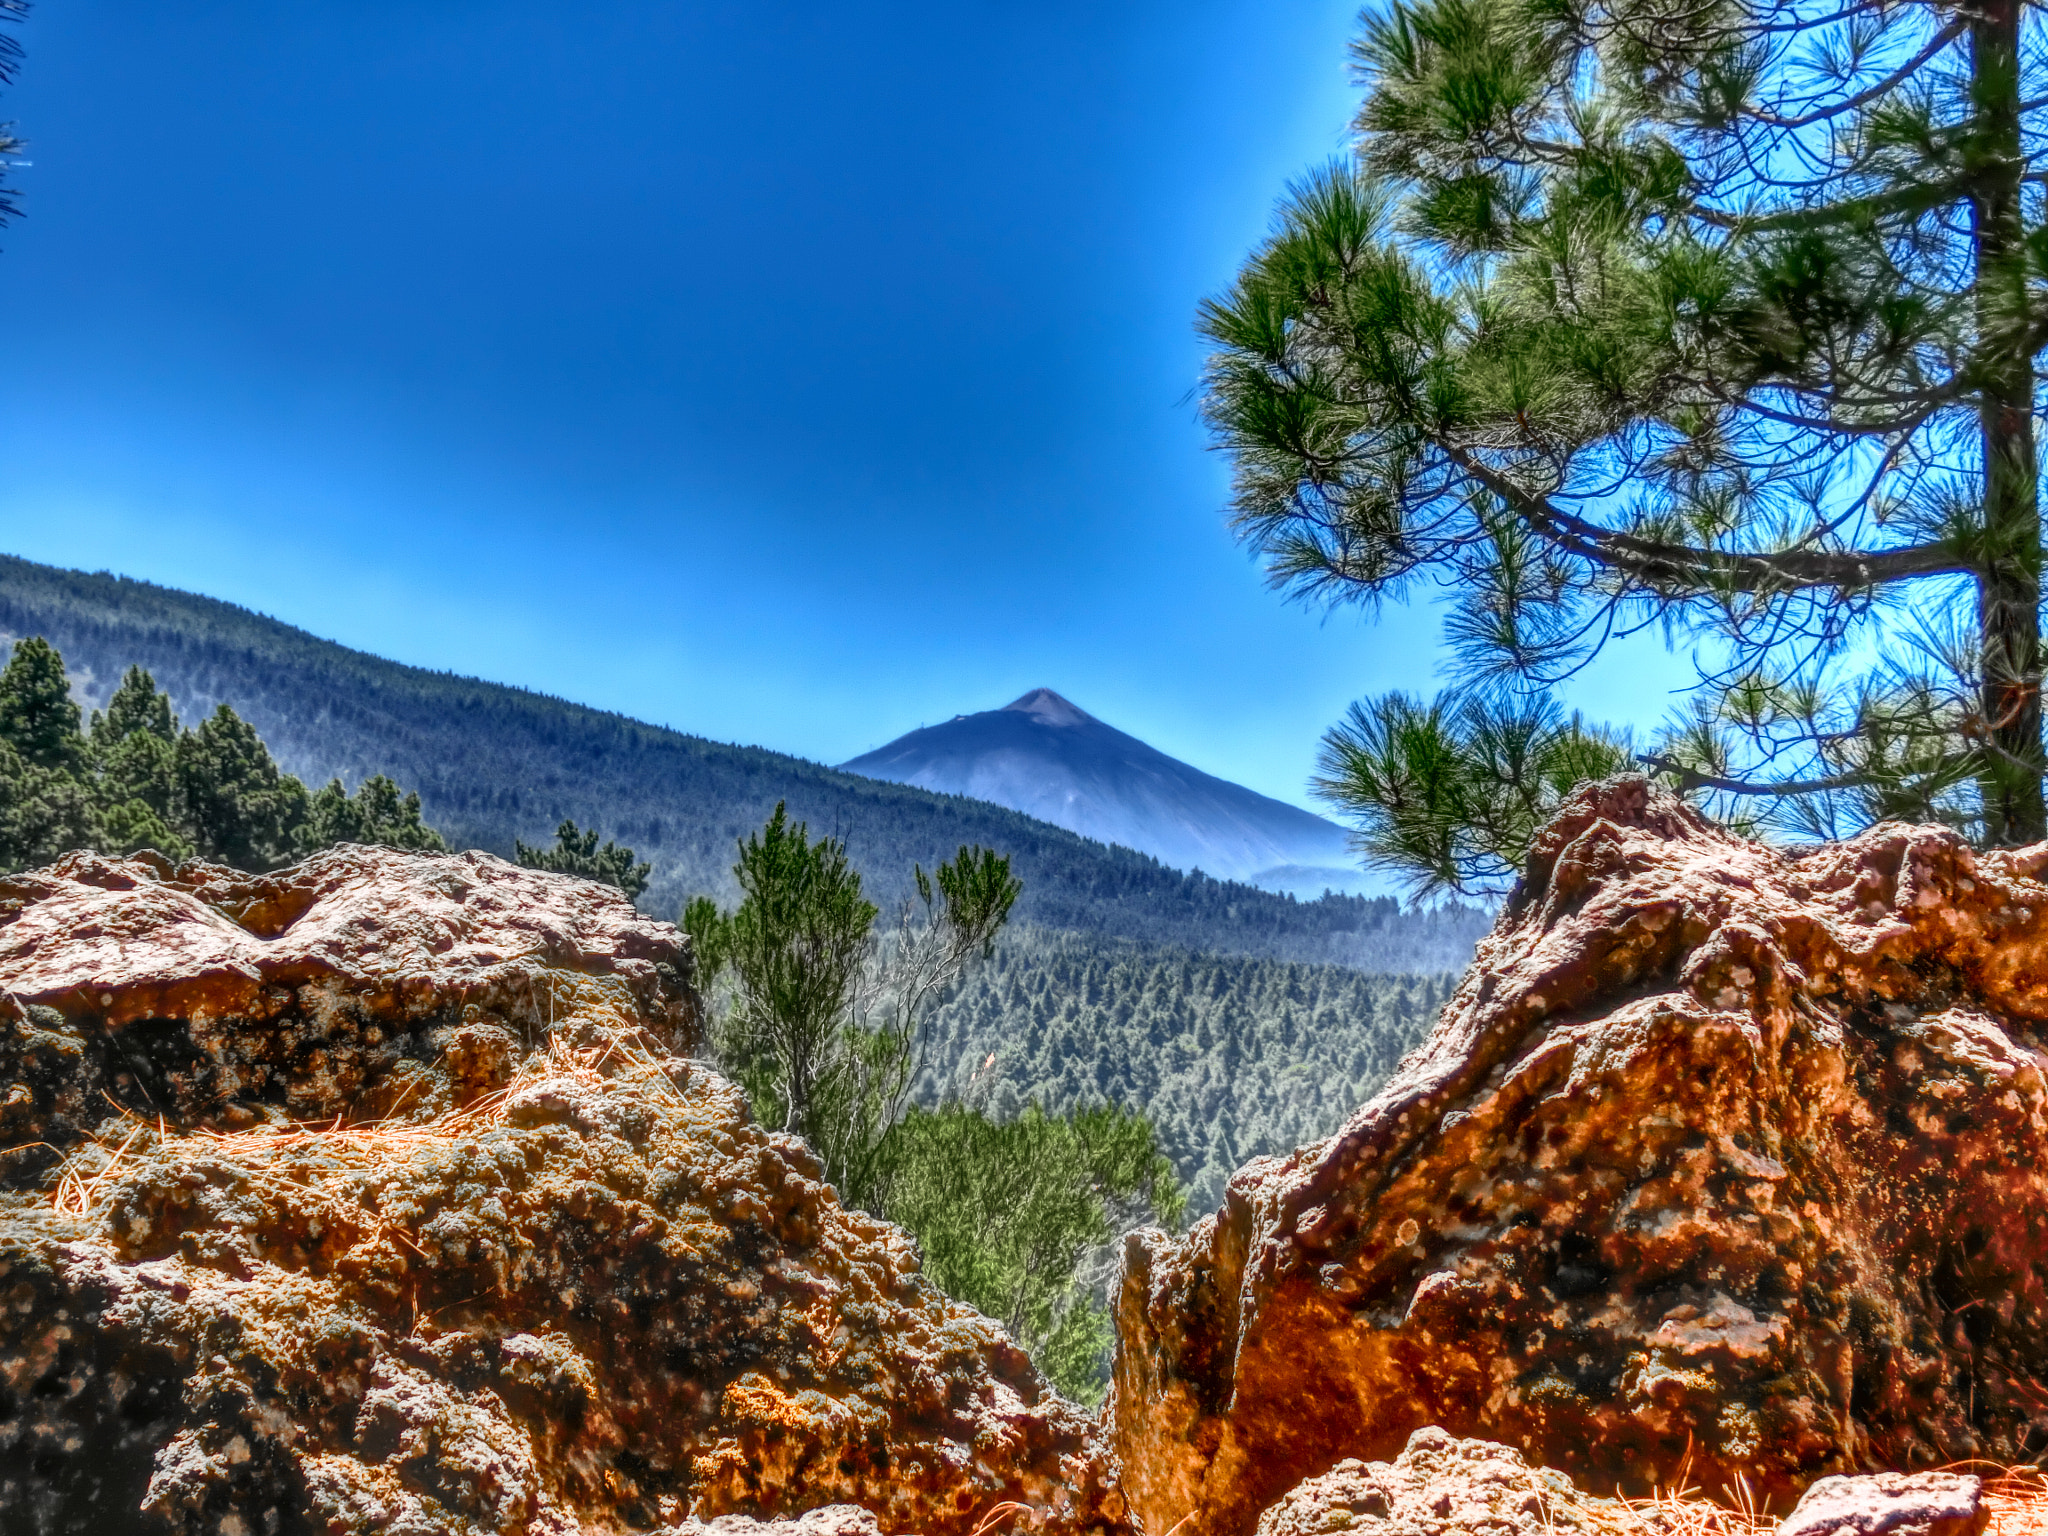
[[705, 925], [378, 812], [949, 928], [1005, 1212], [1453, 792], [37, 716], [576, 853], [797, 947], [1227, 1057], [494, 764], [140, 782], [142, 767], [823, 1021], [241, 808], [1719, 318], [135, 744], [137, 707], [130, 826], [44, 812]]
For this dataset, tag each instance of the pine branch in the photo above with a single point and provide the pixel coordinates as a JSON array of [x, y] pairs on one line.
[[1654, 560], [1890, 83]]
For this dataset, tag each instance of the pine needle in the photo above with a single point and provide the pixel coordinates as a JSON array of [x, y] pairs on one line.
[[351, 1147]]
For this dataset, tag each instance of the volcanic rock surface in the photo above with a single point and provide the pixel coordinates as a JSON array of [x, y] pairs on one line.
[[379, 1195], [1891, 1504], [1723, 1161], [1443, 1486]]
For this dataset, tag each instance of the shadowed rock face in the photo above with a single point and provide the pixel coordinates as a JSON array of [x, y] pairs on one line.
[[526, 1270], [1720, 1158]]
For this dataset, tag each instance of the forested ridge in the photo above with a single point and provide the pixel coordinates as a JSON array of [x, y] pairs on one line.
[[1227, 1056], [493, 764]]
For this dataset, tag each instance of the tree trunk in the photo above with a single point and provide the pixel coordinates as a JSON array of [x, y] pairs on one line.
[[2009, 569]]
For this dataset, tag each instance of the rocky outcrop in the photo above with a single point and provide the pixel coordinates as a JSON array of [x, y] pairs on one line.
[[1722, 1161], [1443, 1486], [1891, 1504], [360, 981], [380, 1195], [831, 1520]]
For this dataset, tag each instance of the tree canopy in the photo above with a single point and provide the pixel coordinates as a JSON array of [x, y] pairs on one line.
[[577, 853], [1008, 1214], [1716, 319], [134, 779]]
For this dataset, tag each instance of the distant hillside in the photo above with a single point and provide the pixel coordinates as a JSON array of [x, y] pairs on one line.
[[1048, 758], [493, 763], [1227, 1056]]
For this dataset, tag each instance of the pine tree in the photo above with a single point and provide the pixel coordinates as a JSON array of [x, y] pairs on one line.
[[577, 853], [137, 705], [140, 782], [1006, 1211], [133, 746], [140, 802], [38, 717], [379, 812], [44, 812], [142, 768], [240, 808], [823, 1020], [1720, 317]]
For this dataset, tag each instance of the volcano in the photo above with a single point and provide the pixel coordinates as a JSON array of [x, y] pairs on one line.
[[1046, 756]]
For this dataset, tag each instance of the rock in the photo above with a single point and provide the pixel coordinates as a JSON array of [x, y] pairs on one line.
[[832, 1520], [1440, 1486], [1891, 1504], [377, 1195], [1723, 1162], [204, 992]]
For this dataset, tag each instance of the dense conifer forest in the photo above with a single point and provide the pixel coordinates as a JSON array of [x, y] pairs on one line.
[[494, 765], [1227, 1056]]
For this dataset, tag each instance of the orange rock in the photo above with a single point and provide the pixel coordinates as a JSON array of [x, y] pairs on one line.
[[378, 1195], [1723, 1162]]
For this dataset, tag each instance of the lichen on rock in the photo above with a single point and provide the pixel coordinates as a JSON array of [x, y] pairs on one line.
[[1724, 1162], [381, 1195]]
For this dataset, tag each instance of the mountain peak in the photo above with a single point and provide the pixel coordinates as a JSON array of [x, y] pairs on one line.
[[1046, 756], [1045, 705]]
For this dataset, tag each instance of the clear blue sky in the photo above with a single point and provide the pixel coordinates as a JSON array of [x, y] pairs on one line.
[[787, 374]]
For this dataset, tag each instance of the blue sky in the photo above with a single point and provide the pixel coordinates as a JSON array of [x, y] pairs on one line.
[[786, 374]]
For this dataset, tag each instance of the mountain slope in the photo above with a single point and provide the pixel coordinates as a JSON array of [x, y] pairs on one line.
[[1229, 1057], [493, 763], [1046, 757]]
